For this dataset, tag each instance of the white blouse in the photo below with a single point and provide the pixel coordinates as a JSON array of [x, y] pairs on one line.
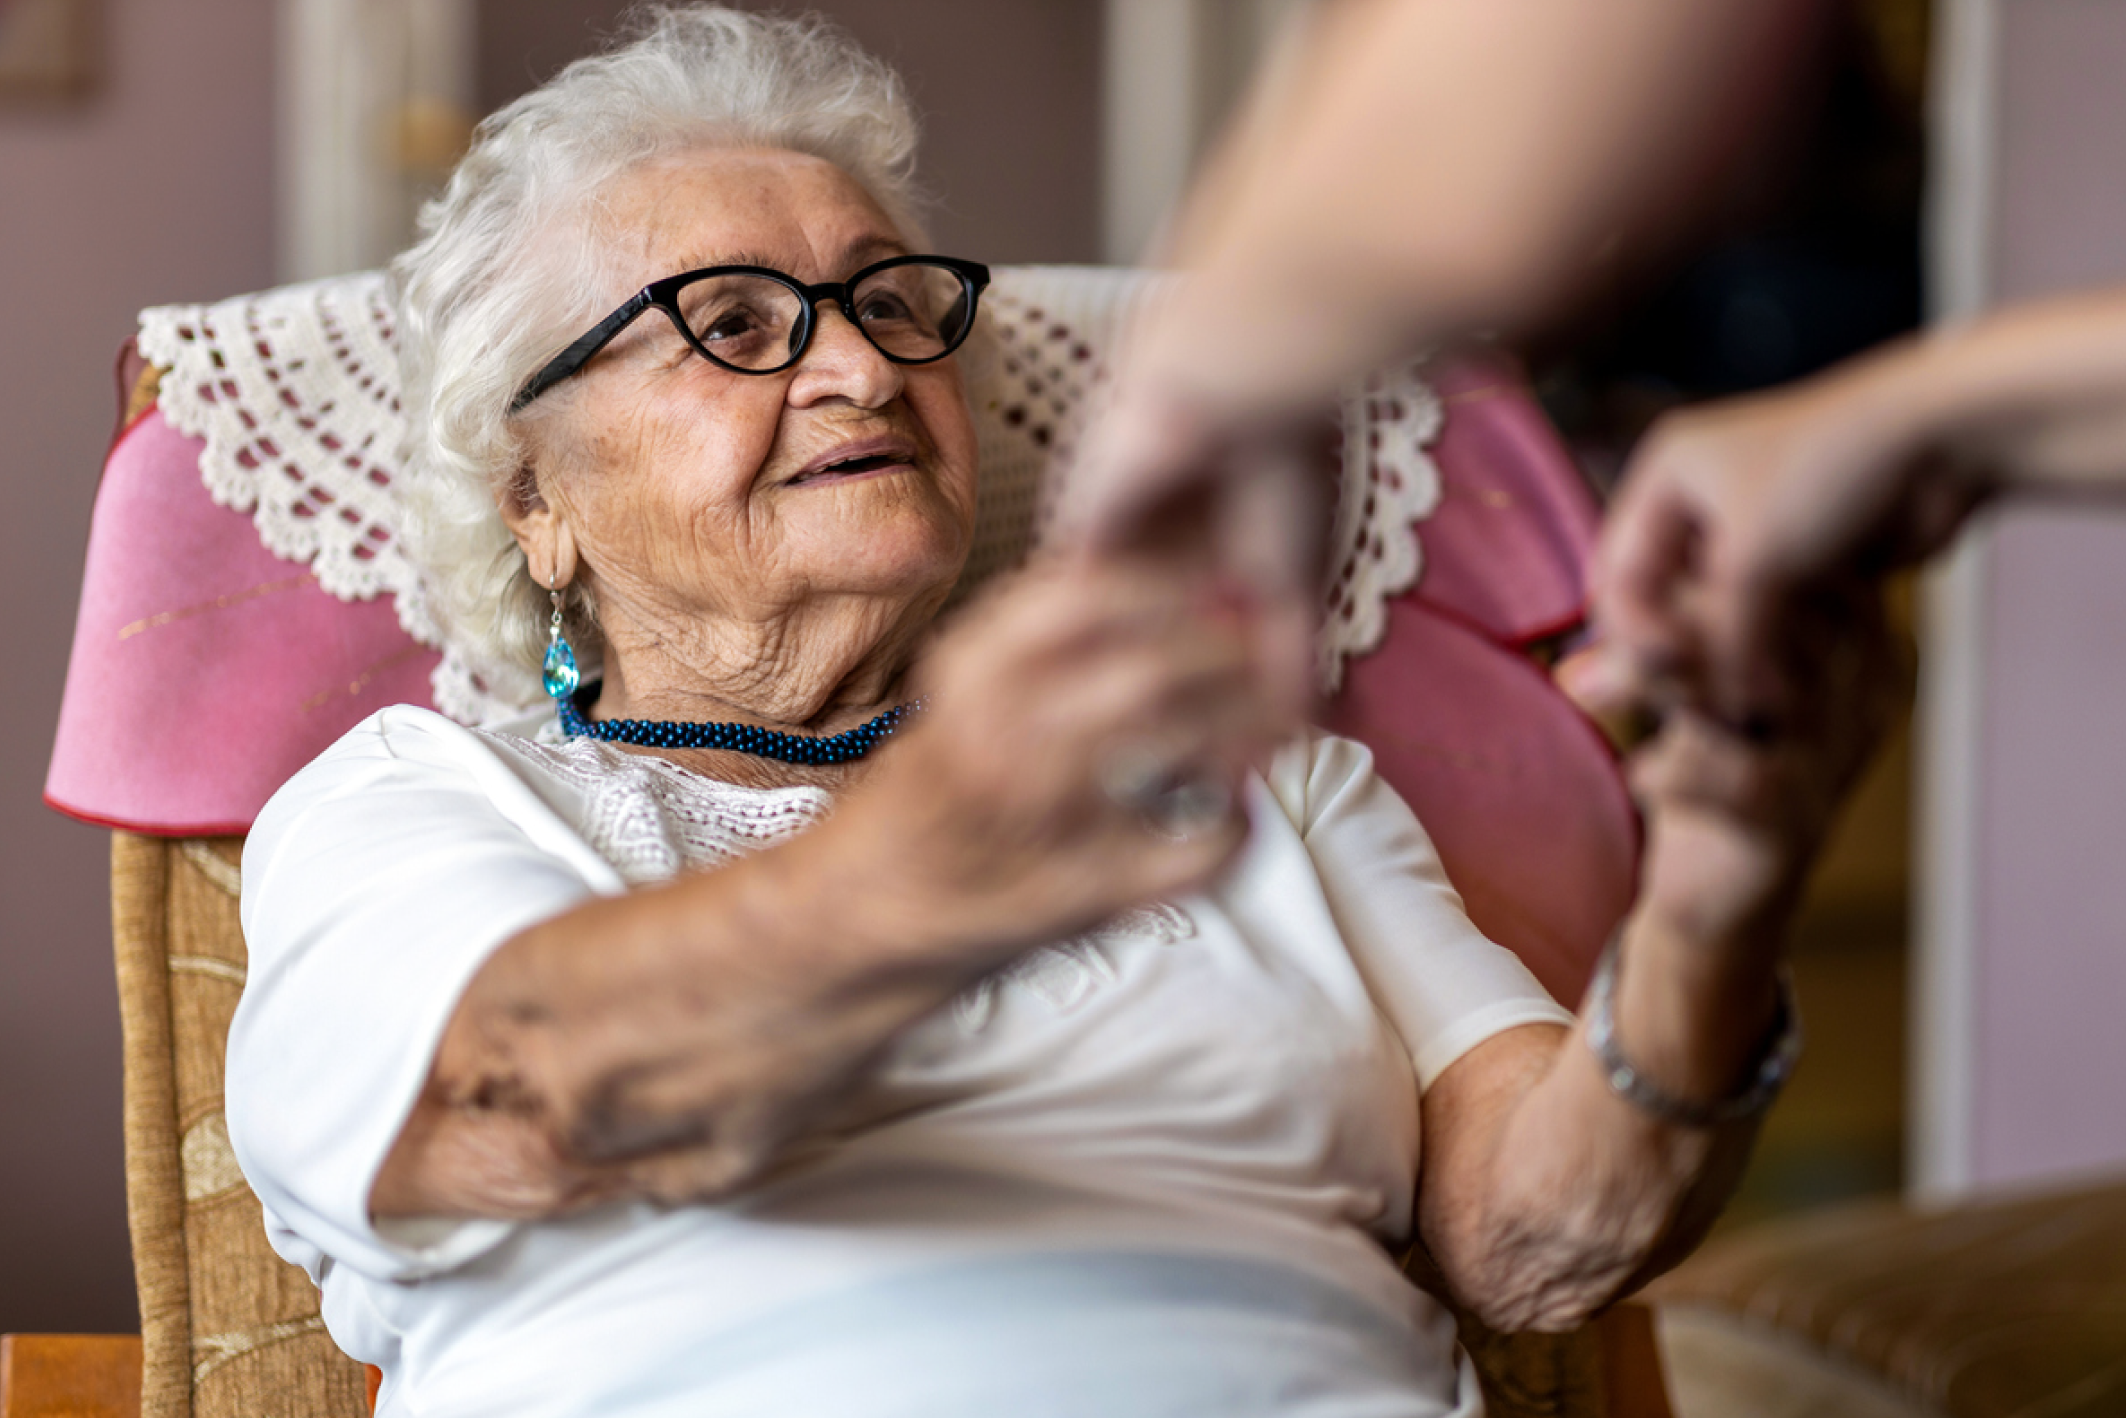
[[1152, 1169]]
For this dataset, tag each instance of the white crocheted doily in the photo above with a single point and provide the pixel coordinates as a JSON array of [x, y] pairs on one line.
[[296, 394]]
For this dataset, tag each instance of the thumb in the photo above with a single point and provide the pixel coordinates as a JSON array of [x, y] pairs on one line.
[[1139, 452], [1643, 565]]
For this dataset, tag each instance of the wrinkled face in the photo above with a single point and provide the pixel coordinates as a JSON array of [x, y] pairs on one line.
[[696, 495]]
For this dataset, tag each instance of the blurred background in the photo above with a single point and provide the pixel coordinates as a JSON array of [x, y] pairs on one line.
[[1960, 957]]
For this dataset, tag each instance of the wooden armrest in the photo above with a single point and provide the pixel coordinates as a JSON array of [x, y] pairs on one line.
[[69, 1376], [1608, 1368], [1633, 1383], [98, 1375]]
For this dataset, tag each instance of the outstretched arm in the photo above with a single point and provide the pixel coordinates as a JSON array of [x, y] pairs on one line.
[[1413, 169], [1409, 172], [1733, 515]]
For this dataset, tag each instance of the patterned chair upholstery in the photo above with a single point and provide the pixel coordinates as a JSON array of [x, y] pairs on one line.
[[2008, 1307], [227, 1327]]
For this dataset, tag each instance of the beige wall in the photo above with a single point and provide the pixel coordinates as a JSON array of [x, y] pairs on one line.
[[155, 188]]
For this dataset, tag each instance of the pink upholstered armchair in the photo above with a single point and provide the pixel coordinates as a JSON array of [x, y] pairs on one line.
[[268, 596]]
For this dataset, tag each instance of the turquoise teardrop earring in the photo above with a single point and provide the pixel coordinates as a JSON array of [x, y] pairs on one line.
[[562, 676]]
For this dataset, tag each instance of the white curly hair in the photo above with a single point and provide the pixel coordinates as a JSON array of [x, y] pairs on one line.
[[504, 273]]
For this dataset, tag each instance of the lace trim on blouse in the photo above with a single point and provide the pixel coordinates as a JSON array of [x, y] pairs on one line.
[[653, 819]]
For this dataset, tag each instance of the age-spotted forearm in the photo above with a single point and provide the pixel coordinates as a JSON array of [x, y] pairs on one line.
[[1545, 1195], [667, 1043]]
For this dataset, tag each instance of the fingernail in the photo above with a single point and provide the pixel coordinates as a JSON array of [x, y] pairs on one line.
[[1590, 676]]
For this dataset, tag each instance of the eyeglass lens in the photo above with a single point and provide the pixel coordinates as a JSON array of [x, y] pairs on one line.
[[911, 313]]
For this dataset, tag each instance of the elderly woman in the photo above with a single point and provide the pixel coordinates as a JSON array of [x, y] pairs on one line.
[[827, 1012]]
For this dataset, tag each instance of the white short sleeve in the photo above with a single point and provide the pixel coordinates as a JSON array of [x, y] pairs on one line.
[[375, 883], [1441, 983]]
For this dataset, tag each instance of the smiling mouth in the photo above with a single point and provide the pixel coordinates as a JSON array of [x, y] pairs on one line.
[[849, 468]]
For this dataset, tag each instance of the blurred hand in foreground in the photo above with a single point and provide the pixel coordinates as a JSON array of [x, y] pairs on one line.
[[1027, 802], [1245, 509], [1404, 174]]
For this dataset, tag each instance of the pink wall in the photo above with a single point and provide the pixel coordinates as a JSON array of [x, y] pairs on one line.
[[2052, 898], [2052, 787], [155, 189], [1009, 91]]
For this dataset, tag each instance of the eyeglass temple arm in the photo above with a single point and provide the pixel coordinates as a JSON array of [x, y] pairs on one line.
[[566, 363]]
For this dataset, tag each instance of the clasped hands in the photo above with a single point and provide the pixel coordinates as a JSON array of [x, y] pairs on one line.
[[1760, 723], [1170, 642]]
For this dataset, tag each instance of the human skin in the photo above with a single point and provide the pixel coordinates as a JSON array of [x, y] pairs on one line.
[[1410, 172], [669, 1043], [1734, 517]]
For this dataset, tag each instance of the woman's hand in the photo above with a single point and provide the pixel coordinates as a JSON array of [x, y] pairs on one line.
[[1007, 808], [1402, 175], [1736, 814], [1545, 1194], [1734, 516]]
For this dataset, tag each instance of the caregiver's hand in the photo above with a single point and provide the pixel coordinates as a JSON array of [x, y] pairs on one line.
[[1031, 799], [1734, 515], [1405, 173], [1245, 501]]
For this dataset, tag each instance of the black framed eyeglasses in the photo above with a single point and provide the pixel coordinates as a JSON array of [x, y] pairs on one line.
[[751, 320]]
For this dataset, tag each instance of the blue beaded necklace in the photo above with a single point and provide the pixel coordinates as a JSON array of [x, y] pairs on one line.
[[844, 747]]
